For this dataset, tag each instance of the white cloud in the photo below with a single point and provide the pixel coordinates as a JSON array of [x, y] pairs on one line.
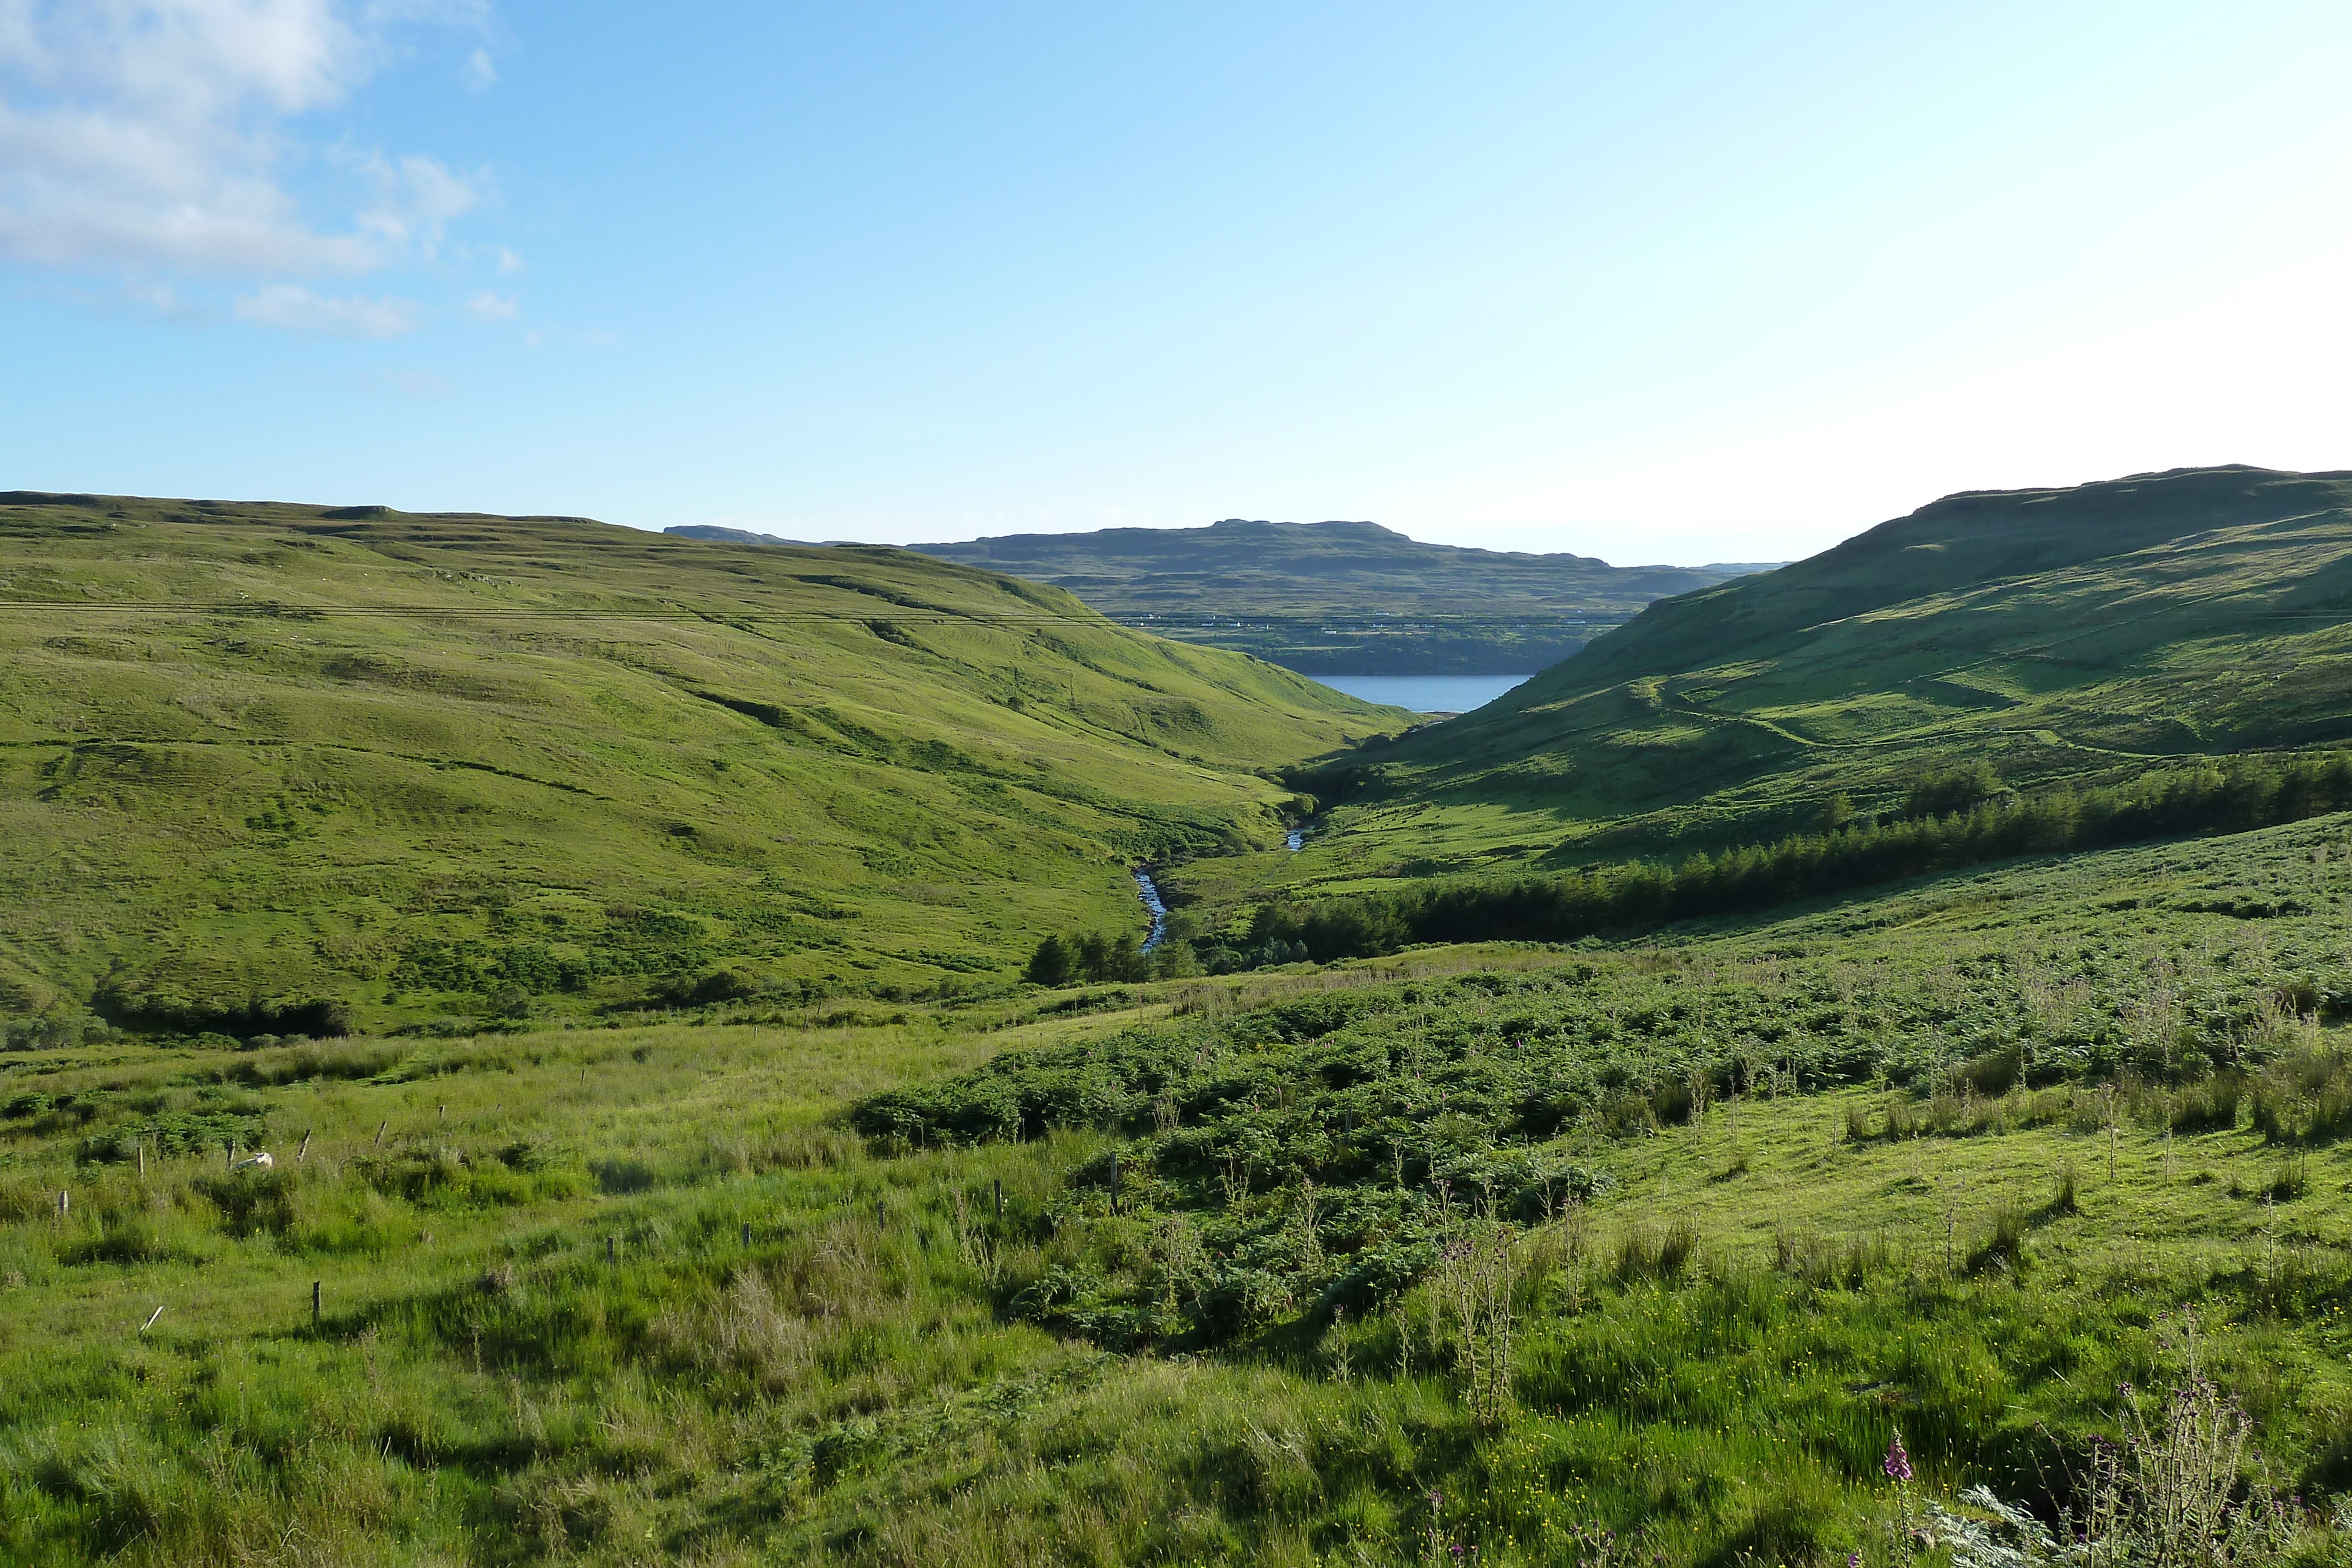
[[146, 136], [479, 73], [417, 199], [295, 310], [489, 307], [402, 383], [509, 262]]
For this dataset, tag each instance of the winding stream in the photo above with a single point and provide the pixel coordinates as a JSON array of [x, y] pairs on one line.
[[1148, 891]]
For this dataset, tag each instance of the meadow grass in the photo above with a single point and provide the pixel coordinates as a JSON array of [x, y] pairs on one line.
[[545, 1333]]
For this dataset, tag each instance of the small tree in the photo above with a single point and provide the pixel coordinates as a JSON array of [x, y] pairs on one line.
[[1123, 959], [1050, 964], [1940, 791]]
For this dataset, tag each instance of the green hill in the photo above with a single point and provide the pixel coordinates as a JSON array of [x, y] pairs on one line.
[[256, 758], [2087, 633], [1332, 598]]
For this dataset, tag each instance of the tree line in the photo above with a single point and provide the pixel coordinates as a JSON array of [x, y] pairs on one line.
[[1091, 956], [1958, 817], [2242, 793]]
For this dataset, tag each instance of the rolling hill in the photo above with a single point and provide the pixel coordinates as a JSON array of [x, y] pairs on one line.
[[256, 760], [2085, 633], [1701, 1241], [1333, 598]]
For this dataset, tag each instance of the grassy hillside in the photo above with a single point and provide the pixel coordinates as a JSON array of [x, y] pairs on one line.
[[1333, 598], [2088, 633], [252, 758], [1636, 1254]]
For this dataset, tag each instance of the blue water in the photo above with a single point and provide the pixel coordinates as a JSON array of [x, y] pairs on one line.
[[1146, 890], [1425, 693]]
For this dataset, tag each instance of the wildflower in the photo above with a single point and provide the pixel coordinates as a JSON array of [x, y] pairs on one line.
[[1898, 1464], [1853, 1560]]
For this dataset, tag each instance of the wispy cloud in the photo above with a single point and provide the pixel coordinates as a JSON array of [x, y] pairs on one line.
[[403, 383], [571, 338], [297, 309], [490, 306], [154, 139], [416, 200], [481, 74]]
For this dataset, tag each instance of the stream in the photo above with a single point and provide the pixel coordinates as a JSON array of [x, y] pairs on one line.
[[1148, 891]]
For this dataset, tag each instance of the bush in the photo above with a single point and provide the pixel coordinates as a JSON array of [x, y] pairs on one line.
[[155, 1012], [1948, 789], [731, 983]]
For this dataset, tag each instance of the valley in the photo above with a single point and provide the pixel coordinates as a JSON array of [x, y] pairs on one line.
[[2080, 637], [1848, 1068]]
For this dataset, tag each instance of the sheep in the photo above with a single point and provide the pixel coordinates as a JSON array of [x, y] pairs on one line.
[[260, 1162]]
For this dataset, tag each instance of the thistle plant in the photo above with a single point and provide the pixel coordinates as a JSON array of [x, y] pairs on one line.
[[1470, 1289], [2169, 1495]]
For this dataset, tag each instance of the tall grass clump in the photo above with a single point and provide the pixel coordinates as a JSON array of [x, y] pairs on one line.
[[2002, 1248], [1657, 1254]]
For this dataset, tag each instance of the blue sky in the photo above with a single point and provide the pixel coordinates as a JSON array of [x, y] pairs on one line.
[[1667, 282]]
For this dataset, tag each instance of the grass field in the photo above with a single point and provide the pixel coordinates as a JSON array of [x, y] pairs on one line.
[[1612, 1253], [465, 772]]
